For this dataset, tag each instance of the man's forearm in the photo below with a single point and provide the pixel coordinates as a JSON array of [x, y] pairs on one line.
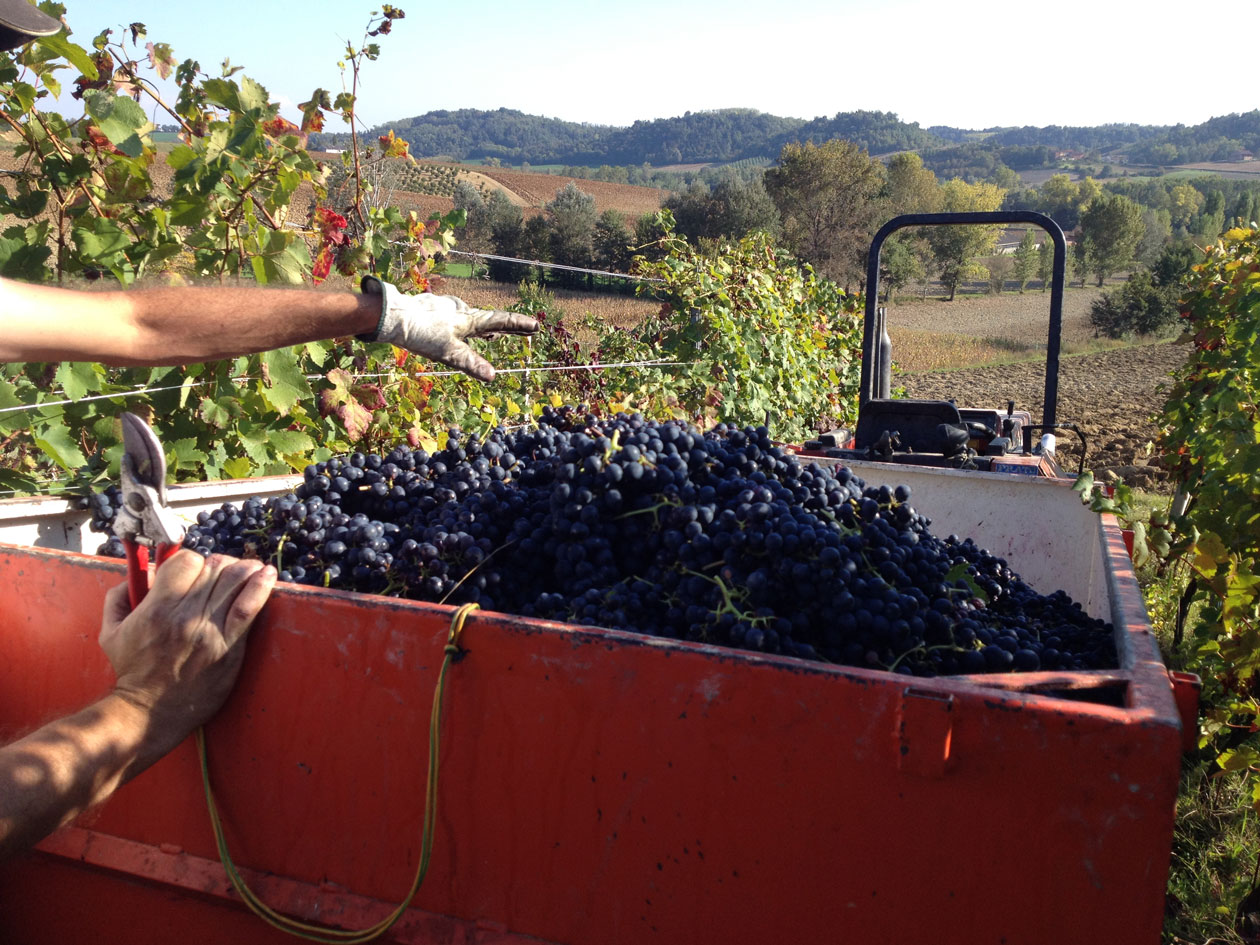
[[63, 768], [172, 325]]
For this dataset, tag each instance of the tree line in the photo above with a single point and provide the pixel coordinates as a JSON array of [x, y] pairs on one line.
[[719, 136], [739, 134]]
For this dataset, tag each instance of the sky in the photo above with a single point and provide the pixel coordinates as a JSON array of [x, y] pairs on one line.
[[965, 63]]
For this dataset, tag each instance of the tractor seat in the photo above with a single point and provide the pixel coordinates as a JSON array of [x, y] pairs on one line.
[[916, 423]]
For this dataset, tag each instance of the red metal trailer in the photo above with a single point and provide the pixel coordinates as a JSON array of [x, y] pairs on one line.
[[601, 787]]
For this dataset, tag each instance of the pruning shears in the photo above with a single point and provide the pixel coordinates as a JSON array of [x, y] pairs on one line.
[[145, 521]]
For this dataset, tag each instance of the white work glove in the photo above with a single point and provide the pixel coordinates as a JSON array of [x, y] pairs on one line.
[[438, 326]]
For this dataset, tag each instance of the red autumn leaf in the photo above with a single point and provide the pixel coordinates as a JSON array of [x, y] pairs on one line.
[[312, 121], [331, 225], [278, 127], [371, 396], [355, 418], [393, 146], [161, 59], [418, 279], [323, 264], [96, 138]]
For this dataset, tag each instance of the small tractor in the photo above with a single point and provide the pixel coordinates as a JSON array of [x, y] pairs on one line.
[[939, 432]]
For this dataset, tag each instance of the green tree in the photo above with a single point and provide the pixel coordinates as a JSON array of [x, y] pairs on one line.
[[743, 206], [1026, 259], [732, 209], [955, 248], [476, 231], [1140, 306], [1002, 176], [1045, 263], [1173, 265], [1078, 260], [651, 237], [828, 199], [1087, 191], [999, 268], [1111, 228], [611, 242], [1211, 219], [899, 265], [1060, 199], [536, 239], [693, 211], [1244, 209], [573, 216], [1157, 226], [505, 221], [911, 187], [1185, 204]]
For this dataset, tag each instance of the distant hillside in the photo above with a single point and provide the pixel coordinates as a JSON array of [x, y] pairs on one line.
[[739, 134], [877, 132], [1068, 138], [711, 137], [1217, 139], [472, 134]]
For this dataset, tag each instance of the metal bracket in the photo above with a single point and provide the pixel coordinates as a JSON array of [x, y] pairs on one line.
[[1187, 687], [925, 723]]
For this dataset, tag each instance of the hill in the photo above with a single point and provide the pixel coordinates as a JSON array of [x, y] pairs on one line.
[[708, 137], [738, 134]]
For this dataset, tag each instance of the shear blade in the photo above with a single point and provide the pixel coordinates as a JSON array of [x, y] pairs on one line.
[[148, 461]]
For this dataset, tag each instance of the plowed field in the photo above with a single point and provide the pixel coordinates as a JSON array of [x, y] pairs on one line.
[[1110, 395], [539, 189]]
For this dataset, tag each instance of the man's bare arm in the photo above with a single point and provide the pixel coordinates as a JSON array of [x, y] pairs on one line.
[[171, 325], [186, 325], [59, 771], [176, 657]]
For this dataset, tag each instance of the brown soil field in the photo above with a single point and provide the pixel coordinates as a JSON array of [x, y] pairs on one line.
[[538, 189], [1110, 395], [978, 329]]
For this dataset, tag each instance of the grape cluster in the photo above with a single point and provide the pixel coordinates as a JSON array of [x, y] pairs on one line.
[[653, 527], [104, 506]]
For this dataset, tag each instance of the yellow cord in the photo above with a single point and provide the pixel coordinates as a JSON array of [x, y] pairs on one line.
[[316, 933]]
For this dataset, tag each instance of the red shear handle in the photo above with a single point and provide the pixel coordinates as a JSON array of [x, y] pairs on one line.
[[137, 572], [164, 552], [138, 567]]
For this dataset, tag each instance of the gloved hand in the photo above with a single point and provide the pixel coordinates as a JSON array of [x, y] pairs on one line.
[[438, 326]]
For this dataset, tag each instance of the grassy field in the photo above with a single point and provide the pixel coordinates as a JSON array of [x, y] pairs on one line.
[[977, 330]]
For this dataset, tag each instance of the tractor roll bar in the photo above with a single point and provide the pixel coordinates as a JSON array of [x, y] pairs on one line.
[[874, 367]]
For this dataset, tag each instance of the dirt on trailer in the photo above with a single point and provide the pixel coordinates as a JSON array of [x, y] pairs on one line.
[[1110, 392]]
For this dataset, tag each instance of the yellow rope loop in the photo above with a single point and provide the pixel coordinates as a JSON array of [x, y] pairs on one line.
[[322, 934], [457, 628]]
